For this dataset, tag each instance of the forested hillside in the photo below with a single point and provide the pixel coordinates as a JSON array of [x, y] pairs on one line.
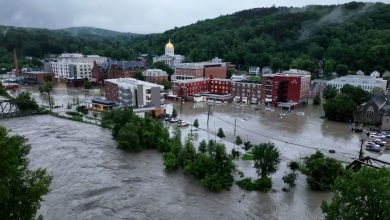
[[333, 38]]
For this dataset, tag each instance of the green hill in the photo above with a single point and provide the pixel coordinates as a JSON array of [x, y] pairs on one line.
[[331, 38], [77, 31]]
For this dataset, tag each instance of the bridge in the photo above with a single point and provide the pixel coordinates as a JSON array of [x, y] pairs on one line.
[[8, 109], [368, 162]]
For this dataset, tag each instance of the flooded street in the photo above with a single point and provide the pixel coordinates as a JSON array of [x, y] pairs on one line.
[[94, 180]]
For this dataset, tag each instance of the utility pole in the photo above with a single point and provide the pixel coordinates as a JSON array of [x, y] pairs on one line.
[[235, 124], [208, 116], [361, 149], [181, 104]]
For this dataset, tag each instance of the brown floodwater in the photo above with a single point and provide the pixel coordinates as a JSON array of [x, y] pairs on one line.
[[94, 180]]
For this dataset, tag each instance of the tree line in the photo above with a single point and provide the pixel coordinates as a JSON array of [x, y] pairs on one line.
[[320, 39]]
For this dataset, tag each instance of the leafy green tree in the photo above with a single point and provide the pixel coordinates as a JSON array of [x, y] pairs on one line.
[[25, 102], [293, 165], [329, 92], [174, 113], [139, 75], [87, 85], [321, 171], [196, 123], [220, 133], [162, 66], [247, 145], [339, 108], [289, 180], [360, 195], [48, 88], [238, 140], [167, 84], [202, 146], [3, 91], [235, 154], [357, 94], [267, 159], [317, 99], [342, 69], [22, 188], [170, 161]]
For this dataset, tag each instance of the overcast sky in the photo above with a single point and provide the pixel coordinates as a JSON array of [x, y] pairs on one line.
[[140, 16]]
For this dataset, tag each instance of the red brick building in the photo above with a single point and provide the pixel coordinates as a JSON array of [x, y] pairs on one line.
[[185, 88], [214, 69], [287, 87], [115, 69]]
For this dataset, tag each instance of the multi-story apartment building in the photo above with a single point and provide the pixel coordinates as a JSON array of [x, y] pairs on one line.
[[73, 66], [134, 93], [190, 87], [368, 83], [246, 91], [212, 69], [291, 87]]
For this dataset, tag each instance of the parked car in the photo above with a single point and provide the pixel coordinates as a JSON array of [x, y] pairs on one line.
[[373, 148], [183, 124], [174, 120]]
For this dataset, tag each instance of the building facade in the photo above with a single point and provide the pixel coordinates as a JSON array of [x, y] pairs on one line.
[[115, 69], [291, 87], [246, 92], [212, 69], [367, 83], [37, 77], [134, 93], [155, 76], [190, 87], [73, 66], [254, 70], [169, 58]]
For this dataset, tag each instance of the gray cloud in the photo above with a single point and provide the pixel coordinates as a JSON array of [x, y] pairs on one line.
[[142, 16]]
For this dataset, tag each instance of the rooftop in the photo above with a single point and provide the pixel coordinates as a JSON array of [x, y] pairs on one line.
[[131, 81]]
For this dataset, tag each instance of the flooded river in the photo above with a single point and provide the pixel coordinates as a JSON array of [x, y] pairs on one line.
[[94, 180]]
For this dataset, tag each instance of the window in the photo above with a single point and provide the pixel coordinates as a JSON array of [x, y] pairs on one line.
[[370, 112]]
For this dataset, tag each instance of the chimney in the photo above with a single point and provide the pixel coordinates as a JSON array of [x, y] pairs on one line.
[[17, 72]]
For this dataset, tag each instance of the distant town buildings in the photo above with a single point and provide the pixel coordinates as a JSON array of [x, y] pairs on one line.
[[238, 77], [367, 83], [115, 69], [72, 66], [155, 76], [286, 89], [134, 93], [211, 69], [169, 58]]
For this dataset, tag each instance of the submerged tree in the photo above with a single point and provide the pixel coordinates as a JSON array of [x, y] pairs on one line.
[[220, 133], [47, 87]]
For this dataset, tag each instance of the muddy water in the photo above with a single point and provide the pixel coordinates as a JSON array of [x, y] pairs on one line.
[[94, 180]]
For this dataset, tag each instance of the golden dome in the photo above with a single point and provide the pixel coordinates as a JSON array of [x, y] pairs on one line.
[[169, 44]]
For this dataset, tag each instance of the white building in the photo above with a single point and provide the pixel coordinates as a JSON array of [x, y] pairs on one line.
[[73, 65], [367, 83], [254, 70], [154, 73], [238, 77], [135, 93], [71, 70], [169, 58]]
